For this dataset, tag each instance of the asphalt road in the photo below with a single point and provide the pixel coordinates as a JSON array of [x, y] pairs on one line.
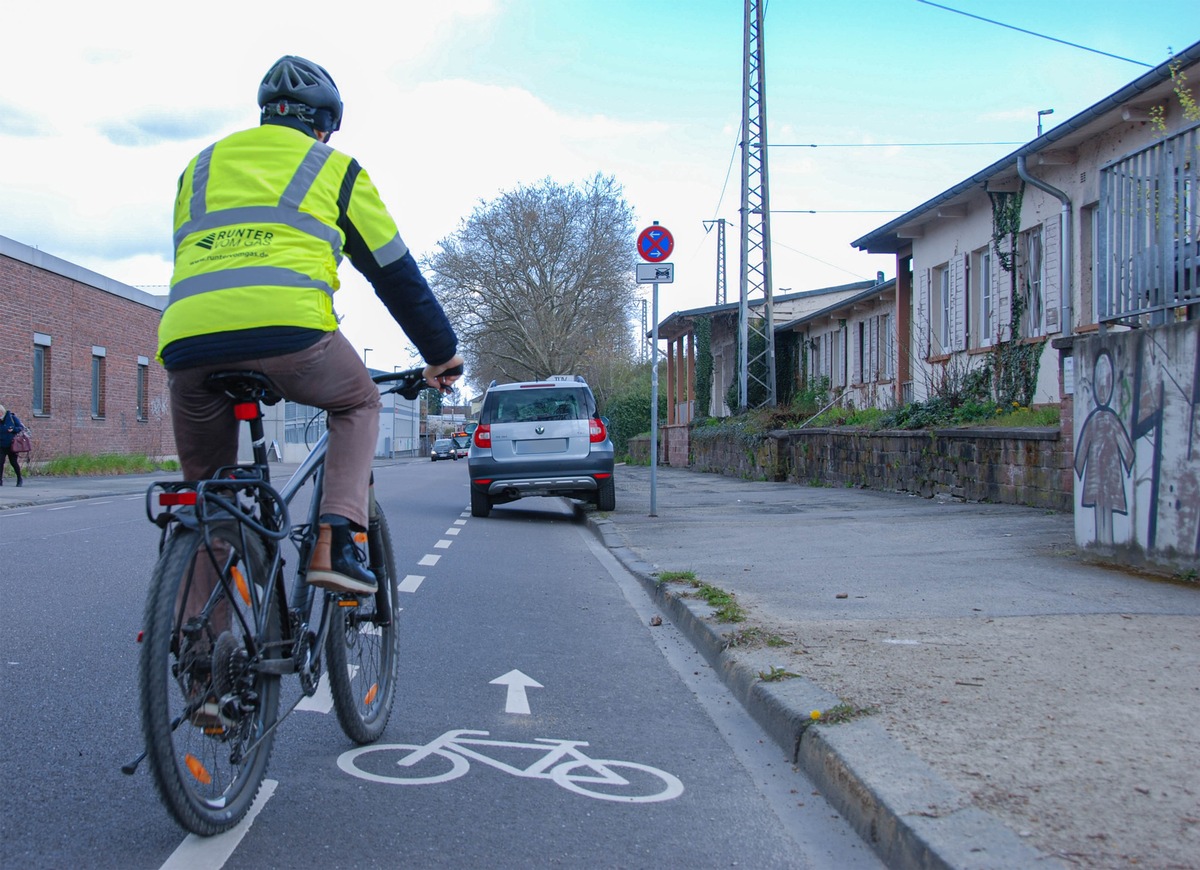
[[527, 590]]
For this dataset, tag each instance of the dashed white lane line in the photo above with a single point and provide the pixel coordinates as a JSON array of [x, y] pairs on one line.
[[442, 544], [211, 853], [321, 701], [429, 560], [460, 522], [65, 507], [411, 583], [451, 531]]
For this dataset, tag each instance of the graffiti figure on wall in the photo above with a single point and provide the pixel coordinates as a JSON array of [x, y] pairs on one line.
[[1104, 455]]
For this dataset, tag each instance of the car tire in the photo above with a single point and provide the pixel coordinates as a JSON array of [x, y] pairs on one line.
[[606, 494], [481, 505]]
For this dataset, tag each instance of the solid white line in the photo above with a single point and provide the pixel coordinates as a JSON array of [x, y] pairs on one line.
[[15, 513], [451, 531], [63, 508], [211, 853], [442, 544], [429, 559], [411, 583]]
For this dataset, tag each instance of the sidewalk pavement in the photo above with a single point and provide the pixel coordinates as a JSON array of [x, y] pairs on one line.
[[1010, 705]]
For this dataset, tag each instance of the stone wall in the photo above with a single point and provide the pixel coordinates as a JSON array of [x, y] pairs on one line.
[[1002, 465]]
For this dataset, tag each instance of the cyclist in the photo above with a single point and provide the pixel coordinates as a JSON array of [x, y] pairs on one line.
[[262, 220]]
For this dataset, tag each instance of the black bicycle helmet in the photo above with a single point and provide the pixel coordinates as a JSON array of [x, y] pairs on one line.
[[295, 86]]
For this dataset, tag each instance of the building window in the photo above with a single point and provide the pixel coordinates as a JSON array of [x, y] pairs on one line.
[[40, 404], [1029, 284], [940, 328], [982, 325], [98, 357], [143, 388]]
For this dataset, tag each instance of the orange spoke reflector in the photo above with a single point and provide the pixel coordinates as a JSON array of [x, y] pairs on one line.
[[197, 769], [370, 698], [360, 537], [242, 588], [347, 602]]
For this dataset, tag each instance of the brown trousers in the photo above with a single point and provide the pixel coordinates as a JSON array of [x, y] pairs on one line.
[[328, 375]]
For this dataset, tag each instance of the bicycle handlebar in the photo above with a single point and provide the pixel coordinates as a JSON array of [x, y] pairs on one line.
[[412, 381]]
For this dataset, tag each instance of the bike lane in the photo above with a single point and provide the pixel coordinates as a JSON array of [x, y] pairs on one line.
[[523, 664]]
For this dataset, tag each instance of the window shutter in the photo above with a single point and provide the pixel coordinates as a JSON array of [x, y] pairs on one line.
[[1002, 294], [924, 326], [958, 302], [1052, 288]]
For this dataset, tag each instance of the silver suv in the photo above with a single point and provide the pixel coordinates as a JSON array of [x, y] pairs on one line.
[[540, 438]]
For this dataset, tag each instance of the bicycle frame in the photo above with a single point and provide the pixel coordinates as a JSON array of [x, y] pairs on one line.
[[217, 498]]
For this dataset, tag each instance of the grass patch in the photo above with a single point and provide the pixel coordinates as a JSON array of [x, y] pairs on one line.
[[752, 637], [776, 674], [677, 577], [840, 713], [728, 610], [87, 465]]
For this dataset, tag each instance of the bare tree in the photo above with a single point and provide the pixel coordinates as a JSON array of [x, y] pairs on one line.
[[539, 281]]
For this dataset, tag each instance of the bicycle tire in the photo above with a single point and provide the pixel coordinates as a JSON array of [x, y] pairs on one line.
[[193, 756], [363, 654]]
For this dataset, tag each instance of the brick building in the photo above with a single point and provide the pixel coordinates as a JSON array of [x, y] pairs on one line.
[[77, 358]]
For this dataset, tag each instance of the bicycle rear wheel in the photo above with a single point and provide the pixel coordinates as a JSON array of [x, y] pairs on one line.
[[363, 646], [204, 706]]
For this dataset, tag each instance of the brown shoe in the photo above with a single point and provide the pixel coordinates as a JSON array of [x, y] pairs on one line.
[[338, 564]]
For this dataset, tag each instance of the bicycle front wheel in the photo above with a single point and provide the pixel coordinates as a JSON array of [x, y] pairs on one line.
[[206, 711], [363, 646]]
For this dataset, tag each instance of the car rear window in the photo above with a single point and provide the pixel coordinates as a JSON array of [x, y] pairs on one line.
[[537, 405]]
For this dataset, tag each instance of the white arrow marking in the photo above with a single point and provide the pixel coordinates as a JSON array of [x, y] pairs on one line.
[[517, 682]]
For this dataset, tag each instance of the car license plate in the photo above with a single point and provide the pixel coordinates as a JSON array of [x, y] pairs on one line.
[[542, 445]]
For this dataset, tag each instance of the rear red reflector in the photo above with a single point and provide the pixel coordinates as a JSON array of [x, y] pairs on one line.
[[483, 481], [172, 499], [245, 410], [601, 476]]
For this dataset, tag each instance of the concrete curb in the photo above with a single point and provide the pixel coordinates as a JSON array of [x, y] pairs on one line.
[[912, 818]]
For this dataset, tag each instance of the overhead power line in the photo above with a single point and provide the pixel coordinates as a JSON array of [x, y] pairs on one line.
[[884, 144], [1034, 33]]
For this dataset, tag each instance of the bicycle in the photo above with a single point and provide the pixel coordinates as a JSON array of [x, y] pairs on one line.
[[221, 629]]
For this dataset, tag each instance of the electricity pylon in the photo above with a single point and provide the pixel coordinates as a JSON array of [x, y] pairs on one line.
[[719, 223], [756, 366]]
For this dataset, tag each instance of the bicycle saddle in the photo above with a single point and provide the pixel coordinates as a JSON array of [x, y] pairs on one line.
[[244, 386]]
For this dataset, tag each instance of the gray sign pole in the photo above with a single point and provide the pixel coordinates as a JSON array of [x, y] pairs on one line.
[[654, 406]]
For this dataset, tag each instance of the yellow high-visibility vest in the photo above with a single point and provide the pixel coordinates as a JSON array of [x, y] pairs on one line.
[[257, 241]]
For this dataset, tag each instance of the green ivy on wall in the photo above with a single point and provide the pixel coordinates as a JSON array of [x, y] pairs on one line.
[[702, 327]]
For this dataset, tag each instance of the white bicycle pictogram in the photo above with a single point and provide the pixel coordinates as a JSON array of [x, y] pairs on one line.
[[561, 761]]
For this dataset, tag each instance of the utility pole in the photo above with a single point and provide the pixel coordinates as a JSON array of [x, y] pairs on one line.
[[719, 223], [756, 367]]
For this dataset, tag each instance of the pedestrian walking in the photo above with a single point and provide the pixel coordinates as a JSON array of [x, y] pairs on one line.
[[10, 425]]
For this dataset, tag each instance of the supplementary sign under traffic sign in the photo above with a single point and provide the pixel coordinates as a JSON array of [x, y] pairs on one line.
[[655, 273], [655, 243]]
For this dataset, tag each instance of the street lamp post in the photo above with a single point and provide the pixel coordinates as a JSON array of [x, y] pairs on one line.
[[1042, 112]]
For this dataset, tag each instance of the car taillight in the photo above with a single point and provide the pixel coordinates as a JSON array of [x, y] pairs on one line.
[[483, 435], [596, 430]]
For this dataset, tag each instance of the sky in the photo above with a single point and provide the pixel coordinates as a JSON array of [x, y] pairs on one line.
[[449, 104]]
